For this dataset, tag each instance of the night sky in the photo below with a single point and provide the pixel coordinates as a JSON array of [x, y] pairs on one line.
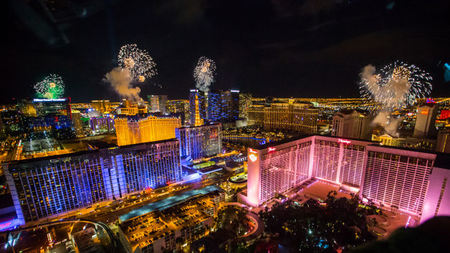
[[280, 48]]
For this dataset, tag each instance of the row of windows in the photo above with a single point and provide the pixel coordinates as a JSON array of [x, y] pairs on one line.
[[47, 189], [397, 183]]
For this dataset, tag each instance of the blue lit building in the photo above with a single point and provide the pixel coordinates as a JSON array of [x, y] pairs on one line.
[[44, 187], [200, 141], [214, 106], [223, 106], [198, 107]]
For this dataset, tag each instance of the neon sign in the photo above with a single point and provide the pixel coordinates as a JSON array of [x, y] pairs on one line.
[[344, 141], [253, 157], [49, 100], [252, 151], [272, 149]]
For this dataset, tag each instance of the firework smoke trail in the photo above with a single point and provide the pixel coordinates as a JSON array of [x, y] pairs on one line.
[[396, 86], [135, 65], [51, 87], [204, 73]]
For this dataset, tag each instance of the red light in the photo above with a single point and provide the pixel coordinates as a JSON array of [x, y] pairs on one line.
[[252, 151], [344, 141], [272, 149]]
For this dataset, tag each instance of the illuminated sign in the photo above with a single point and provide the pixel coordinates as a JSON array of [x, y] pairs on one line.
[[430, 101], [252, 151], [253, 157], [36, 100], [272, 149], [194, 90], [235, 91], [424, 112], [344, 141]]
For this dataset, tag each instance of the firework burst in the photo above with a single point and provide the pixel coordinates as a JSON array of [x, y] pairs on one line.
[[204, 73], [52, 86], [395, 86], [137, 61]]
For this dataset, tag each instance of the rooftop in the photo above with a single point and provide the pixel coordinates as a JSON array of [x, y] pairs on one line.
[[168, 202], [87, 152]]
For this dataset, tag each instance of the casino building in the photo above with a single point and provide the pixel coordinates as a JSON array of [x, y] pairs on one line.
[[44, 187], [200, 141], [411, 181]]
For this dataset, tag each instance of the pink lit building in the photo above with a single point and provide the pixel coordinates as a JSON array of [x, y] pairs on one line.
[[407, 180]]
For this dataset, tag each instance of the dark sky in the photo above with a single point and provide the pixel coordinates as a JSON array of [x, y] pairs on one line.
[[281, 48]]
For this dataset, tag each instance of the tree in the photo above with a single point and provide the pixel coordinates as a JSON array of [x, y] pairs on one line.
[[313, 227]]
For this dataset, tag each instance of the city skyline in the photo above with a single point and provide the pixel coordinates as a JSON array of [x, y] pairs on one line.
[[225, 126]]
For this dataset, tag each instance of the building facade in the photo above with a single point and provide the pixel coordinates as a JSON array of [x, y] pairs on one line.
[[213, 106], [139, 129], [200, 141], [157, 103], [351, 124], [443, 141], [54, 185], [425, 121], [130, 108], [223, 106], [405, 180], [179, 108], [284, 116], [102, 106], [198, 106]]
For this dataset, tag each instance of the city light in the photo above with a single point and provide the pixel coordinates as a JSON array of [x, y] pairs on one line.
[[272, 149], [344, 141], [36, 100], [253, 157]]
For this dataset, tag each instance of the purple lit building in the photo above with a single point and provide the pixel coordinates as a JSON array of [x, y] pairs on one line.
[[413, 182]]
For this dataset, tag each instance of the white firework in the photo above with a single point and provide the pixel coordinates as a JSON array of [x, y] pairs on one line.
[[204, 73], [396, 85], [137, 61]]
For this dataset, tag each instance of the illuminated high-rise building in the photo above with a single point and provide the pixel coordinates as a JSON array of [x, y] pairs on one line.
[[101, 124], [130, 108], [180, 108], [413, 182], [197, 107], [289, 116], [77, 123], [54, 185], [139, 129], [245, 101], [158, 103], [51, 115], [425, 121], [351, 124], [59, 106], [102, 106], [443, 141], [200, 141], [223, 106]]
